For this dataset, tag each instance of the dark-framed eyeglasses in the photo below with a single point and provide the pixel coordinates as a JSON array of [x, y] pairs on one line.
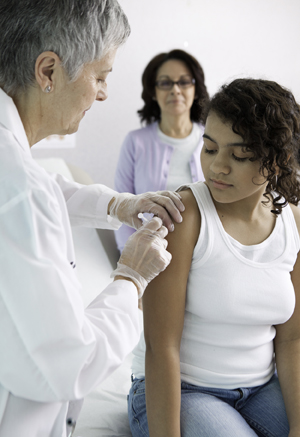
[[166, 84]]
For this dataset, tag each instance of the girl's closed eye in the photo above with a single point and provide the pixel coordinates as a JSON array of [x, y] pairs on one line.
[[237, 158], [247, 155]]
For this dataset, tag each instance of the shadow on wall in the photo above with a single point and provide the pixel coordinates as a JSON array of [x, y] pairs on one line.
[[106, 236], [109, 244]]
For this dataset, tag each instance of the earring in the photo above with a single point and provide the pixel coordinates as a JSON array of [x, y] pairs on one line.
[[274, 183], [47, 89]]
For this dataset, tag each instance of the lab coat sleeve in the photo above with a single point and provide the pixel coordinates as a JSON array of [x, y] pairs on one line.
[[87, 204], [52, 349], [124, 183]]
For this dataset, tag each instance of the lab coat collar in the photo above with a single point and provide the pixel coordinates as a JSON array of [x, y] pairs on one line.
[[10, 119]]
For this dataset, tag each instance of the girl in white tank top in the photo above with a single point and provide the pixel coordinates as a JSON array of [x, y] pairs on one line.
[[223, 319]]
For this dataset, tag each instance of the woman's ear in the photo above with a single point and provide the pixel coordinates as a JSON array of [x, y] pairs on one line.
[[45, 66]]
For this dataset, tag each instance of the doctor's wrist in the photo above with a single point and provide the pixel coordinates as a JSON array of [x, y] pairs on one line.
[[119, 277], [109, 205]]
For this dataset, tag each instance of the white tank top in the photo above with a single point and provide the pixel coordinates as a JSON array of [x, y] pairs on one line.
[[235, 296]]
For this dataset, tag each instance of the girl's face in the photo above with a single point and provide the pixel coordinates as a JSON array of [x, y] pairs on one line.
[[229, 173], [176, 101]]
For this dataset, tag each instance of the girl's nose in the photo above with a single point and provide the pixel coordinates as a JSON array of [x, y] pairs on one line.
[[220, 164]]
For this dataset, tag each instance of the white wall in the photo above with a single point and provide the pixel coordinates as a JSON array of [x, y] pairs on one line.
[[230, 38]]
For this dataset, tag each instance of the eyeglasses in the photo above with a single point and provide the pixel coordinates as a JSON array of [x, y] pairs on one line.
[[167, 84]]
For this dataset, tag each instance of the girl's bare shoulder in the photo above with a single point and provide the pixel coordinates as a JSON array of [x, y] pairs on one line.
[[190, 226], [189, 201], [296, 212]]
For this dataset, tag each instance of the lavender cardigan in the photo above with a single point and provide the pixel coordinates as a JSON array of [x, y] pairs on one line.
[[144, 166]]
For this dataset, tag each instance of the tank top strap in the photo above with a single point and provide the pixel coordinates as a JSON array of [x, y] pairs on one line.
[[291, 228], [205, 241]]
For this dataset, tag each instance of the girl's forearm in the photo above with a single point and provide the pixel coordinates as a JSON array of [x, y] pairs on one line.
[[163, 393], [288, 369]]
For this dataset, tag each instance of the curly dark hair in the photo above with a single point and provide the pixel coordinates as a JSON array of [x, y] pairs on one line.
[[267, 117], [151, 111]]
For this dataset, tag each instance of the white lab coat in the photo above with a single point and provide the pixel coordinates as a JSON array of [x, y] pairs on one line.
[[52, 349]]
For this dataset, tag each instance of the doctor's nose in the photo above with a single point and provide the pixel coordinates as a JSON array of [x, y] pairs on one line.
[[102, 94]]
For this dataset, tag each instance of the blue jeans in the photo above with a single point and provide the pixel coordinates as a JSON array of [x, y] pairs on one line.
[[209, 412]]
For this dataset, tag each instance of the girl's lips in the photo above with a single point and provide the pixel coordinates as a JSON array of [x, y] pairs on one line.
[[220, 185]]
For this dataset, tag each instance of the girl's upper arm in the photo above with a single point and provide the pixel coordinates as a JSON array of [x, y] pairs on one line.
[[290, 330], [164, 298]]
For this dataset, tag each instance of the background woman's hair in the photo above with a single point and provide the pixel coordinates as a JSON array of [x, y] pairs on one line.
[[151, 111], [267, 117], [79, 32]]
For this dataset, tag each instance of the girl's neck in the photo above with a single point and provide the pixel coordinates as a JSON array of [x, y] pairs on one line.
[[247, 223], [246, 210], [176, 127]]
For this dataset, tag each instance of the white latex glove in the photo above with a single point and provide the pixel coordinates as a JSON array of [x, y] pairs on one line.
[[144, 255], [164, 204]]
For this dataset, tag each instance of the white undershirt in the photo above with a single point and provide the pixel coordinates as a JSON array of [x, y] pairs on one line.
[[179, 170], [268, 250], [234, 300]]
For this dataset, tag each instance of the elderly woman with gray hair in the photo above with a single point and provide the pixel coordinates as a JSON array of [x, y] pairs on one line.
[[55, 56]]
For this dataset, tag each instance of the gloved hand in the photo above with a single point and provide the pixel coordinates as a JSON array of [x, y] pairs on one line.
[[144, 255], [164, 204]]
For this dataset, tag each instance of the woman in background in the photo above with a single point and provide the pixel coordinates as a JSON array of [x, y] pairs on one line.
[[165, 153], [227, 308]]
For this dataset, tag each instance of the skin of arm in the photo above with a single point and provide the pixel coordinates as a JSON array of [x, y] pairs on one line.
[[287, 352], [164, 306]]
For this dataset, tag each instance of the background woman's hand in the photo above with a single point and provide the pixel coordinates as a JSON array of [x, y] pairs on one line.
[[164, 204], [144, 255]]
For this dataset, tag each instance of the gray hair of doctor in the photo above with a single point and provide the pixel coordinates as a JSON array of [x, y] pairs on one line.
[[79, 32]]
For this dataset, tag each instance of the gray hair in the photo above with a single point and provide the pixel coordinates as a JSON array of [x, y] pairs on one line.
[[79, 32]]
